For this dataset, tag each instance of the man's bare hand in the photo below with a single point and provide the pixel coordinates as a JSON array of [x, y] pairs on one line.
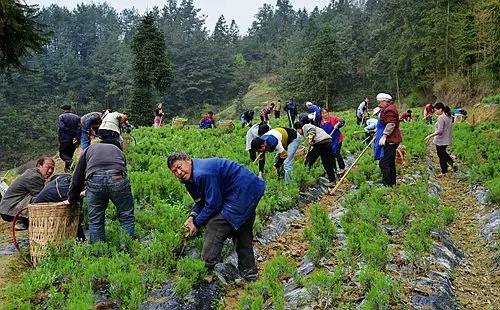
[[189, 224]]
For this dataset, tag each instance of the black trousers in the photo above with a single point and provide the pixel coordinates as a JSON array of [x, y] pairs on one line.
[[66, 151], [218, 230], [338, 160], [444, 158], [387, 164], [323, 150], [277, 114], [262, 160]]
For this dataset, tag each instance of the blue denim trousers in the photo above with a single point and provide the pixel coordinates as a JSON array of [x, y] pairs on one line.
[[288, 163], [84, 140], [105, 185]]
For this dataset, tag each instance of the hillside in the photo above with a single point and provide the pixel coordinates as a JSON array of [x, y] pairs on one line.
[[365, 245]]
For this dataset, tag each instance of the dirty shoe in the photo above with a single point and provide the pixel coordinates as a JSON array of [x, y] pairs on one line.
[[330, 184]]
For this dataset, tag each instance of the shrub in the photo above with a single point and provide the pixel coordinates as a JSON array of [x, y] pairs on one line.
[[325, 287], [190, 272], [271, 284], [495, 99], [319, 233]]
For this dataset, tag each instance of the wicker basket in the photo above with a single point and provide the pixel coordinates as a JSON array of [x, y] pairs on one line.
[[227, 125], [50, 223], [179, 122]]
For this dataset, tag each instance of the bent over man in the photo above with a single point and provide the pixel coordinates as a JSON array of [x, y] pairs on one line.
[[102, 169], [226, 195], [23, 189], [321, 146], [255, 131], [285, 142]]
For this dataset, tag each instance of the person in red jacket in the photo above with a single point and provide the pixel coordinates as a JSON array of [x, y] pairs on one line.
[[331, 124], [428, 111], [391, 138], [406, 116]]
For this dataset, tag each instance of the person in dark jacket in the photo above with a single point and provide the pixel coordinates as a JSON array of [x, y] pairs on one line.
[[226, 195], [390, 139], [69, 135], [102, 168], [315, 112], [56, 190], [23, 189], [90, 123], [291, 110], [246, 118]]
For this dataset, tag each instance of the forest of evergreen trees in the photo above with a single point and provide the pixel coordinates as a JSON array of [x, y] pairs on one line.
[[416, 50]]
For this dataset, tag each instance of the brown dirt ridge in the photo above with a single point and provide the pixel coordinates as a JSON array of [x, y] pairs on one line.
[[476, 281]]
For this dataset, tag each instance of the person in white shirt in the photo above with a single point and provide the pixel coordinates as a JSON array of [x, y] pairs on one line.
[[256, 131], [361, 111], [111, 124]]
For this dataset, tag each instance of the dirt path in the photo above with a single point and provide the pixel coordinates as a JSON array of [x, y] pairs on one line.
[[477, 284], [290, 244]]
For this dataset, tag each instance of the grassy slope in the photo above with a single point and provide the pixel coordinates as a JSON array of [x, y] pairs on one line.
[[258, 93]]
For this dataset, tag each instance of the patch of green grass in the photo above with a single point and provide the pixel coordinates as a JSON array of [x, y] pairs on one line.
[[494, 99], [270, 284], [319, 233], [325, 287], [190, 271]]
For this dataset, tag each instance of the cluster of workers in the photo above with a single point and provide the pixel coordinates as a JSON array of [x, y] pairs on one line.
[[215, 184]]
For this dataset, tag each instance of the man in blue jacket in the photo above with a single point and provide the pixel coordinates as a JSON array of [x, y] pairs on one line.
[[226, 195], [69, 135], [314, 111]]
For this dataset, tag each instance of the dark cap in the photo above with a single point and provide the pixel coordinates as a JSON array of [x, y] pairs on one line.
[[256, 143], [66, 107]]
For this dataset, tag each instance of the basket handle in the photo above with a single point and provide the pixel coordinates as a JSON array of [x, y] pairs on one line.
[[14, 239]]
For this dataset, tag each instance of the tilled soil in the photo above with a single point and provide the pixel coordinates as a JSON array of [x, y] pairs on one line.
[[476, 282]]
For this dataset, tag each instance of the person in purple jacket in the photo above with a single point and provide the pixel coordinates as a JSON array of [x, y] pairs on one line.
[[226, 195]]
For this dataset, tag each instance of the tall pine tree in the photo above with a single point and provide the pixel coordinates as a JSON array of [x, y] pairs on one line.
[[152, 70]]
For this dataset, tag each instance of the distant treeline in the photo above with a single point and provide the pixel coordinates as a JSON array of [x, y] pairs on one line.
[[338, 54]]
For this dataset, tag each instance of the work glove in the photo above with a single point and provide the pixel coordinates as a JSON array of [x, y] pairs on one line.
[[381, 142]]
